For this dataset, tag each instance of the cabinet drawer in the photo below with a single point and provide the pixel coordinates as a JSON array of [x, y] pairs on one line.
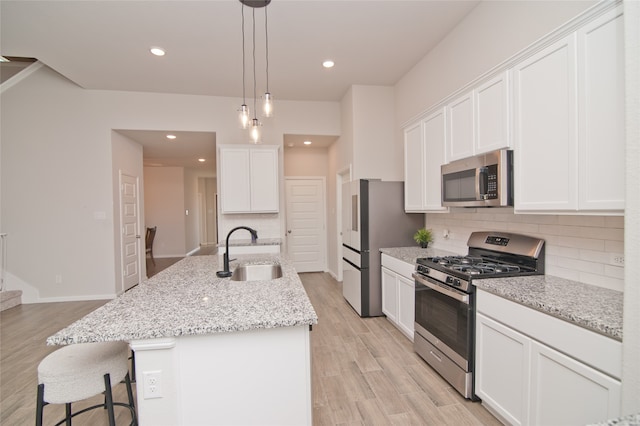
[[398, 266]]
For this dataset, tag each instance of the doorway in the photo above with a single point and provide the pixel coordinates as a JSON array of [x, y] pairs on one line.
[[306, 223], [131, 246]]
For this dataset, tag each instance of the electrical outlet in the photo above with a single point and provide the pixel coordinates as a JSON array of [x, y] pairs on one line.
[[58, 278], [616, 259], [152, 384]]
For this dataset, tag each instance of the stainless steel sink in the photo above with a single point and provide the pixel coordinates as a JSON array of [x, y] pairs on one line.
[[257, 272]]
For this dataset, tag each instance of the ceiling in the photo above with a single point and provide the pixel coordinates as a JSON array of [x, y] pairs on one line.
[[105, 44]]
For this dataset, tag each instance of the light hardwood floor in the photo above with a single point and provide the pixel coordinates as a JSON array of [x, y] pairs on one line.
[[364, 371]]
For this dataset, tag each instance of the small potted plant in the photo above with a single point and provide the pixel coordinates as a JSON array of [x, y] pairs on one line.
[[423, 237]]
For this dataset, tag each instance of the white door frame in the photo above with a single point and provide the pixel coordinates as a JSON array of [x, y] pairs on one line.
[[343, 175]]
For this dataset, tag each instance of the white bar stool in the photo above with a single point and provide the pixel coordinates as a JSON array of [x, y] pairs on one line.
[[80, 371]]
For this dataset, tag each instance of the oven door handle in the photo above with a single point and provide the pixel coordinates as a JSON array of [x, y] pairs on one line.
[[461, 297]]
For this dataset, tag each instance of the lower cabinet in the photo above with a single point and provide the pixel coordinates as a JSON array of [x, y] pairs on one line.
[[398, 294], [526, 382]]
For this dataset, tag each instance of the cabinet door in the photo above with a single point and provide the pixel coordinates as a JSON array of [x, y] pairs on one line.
[[544, 129], [492, 115], [235, 180], [414, 179], [434, 139], [502, 369], [461, 132], [264, 181], [389, 295], [601, 115], [567, 392], [406, 305]]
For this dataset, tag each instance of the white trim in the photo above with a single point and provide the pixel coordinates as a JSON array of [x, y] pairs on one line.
[[20, 76], [85, 298]]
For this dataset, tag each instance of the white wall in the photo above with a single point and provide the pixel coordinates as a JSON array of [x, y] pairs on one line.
[[306, 162], [164, 201], [57, 171]]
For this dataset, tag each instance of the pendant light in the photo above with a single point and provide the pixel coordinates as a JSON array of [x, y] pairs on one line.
[[244, 113], [254, 123], [268, 101]]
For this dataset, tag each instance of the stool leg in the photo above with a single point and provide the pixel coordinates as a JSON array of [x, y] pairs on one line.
[[40, 404], [67, 410], [109, 399], [131, 402]]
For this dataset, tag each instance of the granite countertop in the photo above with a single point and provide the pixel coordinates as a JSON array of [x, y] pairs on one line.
[[249, 242], [410, 254], [189, 299], [595, 308], [629, 420]]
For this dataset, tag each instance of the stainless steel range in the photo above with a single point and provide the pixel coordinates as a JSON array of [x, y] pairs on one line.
[[445, 299]]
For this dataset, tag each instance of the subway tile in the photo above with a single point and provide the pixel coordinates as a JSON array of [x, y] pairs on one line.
[[614, 246], [601, 281], [614, 221], [614, 271], [595, 221]]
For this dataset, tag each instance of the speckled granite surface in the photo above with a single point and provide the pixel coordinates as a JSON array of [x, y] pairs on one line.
[[410, 254], [188, 298], [630, 420], [248, 242], [588, 306]]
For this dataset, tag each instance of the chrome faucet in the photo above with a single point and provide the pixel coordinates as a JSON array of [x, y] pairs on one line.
[[226, 272]]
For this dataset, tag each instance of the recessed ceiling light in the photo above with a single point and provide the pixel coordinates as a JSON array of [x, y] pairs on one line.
[[158, 51], [307, 142], [202, 160], [328, 63], [290, 145], [171, 137]]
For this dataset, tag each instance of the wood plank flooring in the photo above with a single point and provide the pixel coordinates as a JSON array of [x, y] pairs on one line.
[[364, 371]]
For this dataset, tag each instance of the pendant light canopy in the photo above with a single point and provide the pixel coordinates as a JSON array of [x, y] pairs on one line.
[[244, 113]]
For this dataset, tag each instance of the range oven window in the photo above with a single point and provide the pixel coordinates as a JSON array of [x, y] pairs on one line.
[[449, 320]]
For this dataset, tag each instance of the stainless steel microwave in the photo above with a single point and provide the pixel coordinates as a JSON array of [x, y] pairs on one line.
[[484, 180]]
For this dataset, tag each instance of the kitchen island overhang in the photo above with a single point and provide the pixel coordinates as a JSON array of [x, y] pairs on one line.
[[226, 352]]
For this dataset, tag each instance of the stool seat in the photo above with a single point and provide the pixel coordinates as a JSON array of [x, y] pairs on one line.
[[81, 371], [76, 372]]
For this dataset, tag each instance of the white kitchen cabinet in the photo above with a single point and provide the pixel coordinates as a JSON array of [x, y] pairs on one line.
[[249, 179], [424, 153], [492, 114], [534, 369], [390, 294], [568, 122], [502, 369], [478, 121], [601, 127], [460, 128], [546, 148], [398, 294]]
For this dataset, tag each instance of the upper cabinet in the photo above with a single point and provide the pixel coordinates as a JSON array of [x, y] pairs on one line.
[[249, 179], [568, 122], [424, 153], [478, 121]]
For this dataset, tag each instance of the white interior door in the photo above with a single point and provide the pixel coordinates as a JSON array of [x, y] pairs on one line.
[[306, 239], [130, 239]]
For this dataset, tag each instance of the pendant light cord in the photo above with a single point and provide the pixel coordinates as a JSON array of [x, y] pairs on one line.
[[266, 38], [244, 97], [254, 64]]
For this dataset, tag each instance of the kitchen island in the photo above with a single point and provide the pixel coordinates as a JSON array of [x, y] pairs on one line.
[[217, 351]]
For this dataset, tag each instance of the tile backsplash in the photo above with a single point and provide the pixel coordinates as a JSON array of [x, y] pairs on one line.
[[579, 248]]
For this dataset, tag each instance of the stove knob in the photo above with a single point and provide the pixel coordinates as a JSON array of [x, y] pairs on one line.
[[450, 280], [456, 282]]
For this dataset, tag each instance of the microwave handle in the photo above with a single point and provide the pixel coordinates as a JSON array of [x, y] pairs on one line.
[[482, 183]]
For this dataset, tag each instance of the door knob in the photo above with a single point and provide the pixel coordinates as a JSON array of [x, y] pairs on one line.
[[289, 231]]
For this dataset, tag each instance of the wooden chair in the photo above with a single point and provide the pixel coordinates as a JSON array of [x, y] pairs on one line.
[[151, 234]]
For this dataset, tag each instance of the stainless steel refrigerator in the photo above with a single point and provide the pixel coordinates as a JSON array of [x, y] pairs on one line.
[[373, 218]]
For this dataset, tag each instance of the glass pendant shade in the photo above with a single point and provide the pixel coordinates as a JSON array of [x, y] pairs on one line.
[[243, 116], [255, 131], [268, 105]]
